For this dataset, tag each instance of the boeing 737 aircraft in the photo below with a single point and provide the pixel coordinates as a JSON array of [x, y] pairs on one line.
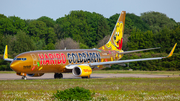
[[80, 62]]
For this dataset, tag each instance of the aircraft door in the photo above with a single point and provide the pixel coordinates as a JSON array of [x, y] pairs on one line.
[[34, 59]]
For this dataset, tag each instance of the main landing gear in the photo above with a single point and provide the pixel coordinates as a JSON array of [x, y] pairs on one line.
[[58, 75]]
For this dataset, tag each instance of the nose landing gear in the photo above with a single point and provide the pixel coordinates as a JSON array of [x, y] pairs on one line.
[[24, 77]]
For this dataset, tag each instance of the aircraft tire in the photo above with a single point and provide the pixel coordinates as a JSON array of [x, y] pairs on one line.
[[58, 75], [24, 77]]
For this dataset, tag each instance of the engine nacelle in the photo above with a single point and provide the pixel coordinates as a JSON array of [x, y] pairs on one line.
[[35, 75], [82, 71]]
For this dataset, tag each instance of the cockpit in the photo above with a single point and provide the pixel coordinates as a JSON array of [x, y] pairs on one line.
[[23, 59]]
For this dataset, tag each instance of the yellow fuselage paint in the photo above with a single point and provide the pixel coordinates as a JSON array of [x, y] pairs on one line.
[[56, 60]]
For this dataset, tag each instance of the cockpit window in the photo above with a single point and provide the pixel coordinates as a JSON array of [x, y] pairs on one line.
[[23, 59], [18, 59]]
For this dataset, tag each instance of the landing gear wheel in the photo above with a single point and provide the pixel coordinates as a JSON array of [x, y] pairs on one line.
[[85, 77], [24, 77], [58, 75]]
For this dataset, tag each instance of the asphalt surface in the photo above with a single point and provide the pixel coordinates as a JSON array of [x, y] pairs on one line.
[[71, 76]]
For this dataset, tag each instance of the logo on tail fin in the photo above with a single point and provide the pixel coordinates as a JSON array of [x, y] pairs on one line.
[[118, 36], [116, 40]]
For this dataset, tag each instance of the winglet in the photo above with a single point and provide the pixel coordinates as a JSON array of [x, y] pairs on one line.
[[171, 53], [5, 57], [6, 53]]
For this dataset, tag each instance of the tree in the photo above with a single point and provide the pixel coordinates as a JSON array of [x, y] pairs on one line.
[[51, 36], [166, 38], [6, 27], [37, 29], [131, 21], [49, 22], [2, 16], [136, 21], [67, 43], [141, 40], [157, 21], [19, 24], [23, 43], [112, 21], [58, 31], [82, 26], [103, 41], [83, 46], [50, 46]]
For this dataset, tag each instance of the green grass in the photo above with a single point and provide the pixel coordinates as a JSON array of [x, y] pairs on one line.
[[7, 72], [113, 89]]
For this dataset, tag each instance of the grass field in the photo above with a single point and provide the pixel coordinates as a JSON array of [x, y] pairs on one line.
[[113, 89]]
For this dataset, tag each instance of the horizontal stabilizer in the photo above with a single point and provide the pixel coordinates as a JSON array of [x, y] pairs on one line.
[[126, 52]]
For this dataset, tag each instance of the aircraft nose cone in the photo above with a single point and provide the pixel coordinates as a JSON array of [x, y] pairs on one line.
[[14, 66]]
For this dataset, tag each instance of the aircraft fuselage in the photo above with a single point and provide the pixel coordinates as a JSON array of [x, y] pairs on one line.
[[47, 61]]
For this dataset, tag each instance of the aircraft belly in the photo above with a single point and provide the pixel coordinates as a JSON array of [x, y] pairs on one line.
[[52, 68]]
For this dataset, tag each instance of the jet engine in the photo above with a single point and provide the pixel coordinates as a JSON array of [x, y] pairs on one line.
[[35, 75], [82, 71]]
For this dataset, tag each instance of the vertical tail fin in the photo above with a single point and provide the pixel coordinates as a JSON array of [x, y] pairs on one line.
[[116, 40]]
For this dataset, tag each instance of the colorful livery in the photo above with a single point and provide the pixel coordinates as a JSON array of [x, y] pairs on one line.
[[80, 62]]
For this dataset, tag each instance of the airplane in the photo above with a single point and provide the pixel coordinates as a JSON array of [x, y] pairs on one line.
[[80, 62]]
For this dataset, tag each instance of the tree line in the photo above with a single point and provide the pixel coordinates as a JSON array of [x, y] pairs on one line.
[[82, 29]]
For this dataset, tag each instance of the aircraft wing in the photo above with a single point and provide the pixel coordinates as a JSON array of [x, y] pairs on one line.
[[132, 60], [124, 61]]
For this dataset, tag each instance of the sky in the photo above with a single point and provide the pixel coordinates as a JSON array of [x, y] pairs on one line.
[[34, 9]]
